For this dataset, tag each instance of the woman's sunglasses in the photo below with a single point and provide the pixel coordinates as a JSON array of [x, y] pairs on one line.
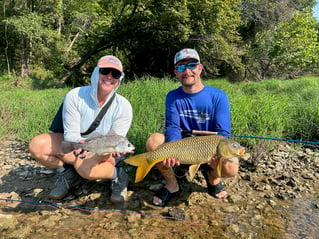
[[182, 67], [115, 73]]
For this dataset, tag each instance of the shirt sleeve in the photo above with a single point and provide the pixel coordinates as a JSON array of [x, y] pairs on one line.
[[172, 120], [71, 117], [221, 122], [123, 119]]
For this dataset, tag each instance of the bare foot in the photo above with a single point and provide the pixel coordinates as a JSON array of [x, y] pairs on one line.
[[219, 191], [221, 195]]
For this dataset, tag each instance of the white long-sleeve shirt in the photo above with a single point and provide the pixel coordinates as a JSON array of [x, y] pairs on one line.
[[81, 107]]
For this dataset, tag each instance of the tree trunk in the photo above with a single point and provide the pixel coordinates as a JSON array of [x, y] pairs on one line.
[[25, 57], [98, 47]]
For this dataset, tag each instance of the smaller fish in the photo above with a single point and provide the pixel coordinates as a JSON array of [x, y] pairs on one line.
[[102, 145]]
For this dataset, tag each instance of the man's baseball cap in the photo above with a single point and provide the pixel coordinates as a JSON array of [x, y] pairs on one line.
[[185, 54], [110, 62]]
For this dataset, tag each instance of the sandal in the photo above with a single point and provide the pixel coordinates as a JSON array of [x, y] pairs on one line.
[[165, 196], [213, 190]]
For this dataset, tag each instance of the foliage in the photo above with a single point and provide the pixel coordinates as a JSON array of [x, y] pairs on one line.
[[264, 25], [288, 52], [271, 108], [240, 39]]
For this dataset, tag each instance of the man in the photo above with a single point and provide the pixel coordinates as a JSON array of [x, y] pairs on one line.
[[80, 108], [193, 106]]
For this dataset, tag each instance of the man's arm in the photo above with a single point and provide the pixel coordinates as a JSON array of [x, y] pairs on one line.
[[172, 120], [221, 123]]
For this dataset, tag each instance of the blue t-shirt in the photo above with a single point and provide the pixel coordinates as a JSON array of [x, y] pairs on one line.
[[206, 110]]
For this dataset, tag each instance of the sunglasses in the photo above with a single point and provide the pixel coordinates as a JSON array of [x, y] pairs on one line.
[[115, 73], [182, 67]]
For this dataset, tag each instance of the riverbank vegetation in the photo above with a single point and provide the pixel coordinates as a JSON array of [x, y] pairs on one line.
[[272, 108]]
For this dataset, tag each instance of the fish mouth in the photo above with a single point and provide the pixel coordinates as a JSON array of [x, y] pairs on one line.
[[242, 152]]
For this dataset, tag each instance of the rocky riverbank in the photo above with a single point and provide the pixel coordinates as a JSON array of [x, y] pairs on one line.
[[275, 195]]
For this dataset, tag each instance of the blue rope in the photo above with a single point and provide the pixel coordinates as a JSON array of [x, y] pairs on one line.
[[288, 140]]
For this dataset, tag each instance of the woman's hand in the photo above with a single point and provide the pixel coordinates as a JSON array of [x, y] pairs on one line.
[[81, 153]]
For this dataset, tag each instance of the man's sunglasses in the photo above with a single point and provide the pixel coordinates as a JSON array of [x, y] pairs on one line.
[[115, 73], [191, 66]]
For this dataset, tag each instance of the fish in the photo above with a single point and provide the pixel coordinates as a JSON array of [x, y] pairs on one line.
[[102, 144], [192, 150]]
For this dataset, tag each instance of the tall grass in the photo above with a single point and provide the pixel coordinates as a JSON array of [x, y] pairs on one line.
[[147, 96], [272, 108]]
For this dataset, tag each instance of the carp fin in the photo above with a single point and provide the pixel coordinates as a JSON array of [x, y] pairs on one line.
[[89, 154], [219, 167], [193, 170], [143, 167]]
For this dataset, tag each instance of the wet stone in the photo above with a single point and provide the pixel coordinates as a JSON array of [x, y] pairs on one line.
[[276, 192], [177, 213]]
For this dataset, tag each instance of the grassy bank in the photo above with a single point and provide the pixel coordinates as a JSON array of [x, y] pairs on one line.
[[272, 108]]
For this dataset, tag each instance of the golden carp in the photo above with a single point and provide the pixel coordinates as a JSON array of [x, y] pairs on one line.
[[193, 150]]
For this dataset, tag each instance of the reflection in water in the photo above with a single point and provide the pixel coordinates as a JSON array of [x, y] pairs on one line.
[[274, 218], [304, 218]]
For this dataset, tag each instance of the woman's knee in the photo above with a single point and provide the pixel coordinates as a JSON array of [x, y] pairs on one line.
[[37, 145], [45, 144]]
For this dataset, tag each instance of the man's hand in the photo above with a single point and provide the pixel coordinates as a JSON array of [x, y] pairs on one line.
[[213, 162], [171, 162]]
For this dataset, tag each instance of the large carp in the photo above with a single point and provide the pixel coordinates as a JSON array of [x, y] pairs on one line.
[[192, 150]]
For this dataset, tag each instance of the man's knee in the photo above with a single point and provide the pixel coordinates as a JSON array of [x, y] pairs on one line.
[[230, 167], [154, 141]]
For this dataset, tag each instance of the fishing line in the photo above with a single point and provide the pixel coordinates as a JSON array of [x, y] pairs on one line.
[[280, 139]]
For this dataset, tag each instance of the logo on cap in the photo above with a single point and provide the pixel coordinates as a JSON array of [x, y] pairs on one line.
[[185, 54], [114, 61]]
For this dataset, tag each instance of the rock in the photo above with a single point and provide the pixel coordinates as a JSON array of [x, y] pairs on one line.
[[177, 213], [263, 195]]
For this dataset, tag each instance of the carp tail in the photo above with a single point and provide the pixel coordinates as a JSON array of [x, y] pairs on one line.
[[143, 166]]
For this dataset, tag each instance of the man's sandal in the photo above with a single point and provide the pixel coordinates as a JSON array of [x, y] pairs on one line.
[[213, 190], [165, 196]]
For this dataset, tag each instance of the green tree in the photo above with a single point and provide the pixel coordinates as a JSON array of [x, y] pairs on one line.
[[33, 35], [148, 33], [241, 39], [260, 20], [295, 47], [44, 35]]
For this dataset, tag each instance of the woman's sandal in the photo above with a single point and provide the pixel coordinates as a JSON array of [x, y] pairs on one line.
[[165, 196], [213, 190]]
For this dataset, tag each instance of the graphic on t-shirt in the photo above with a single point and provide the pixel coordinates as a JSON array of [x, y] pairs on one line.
[[200, 116]]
